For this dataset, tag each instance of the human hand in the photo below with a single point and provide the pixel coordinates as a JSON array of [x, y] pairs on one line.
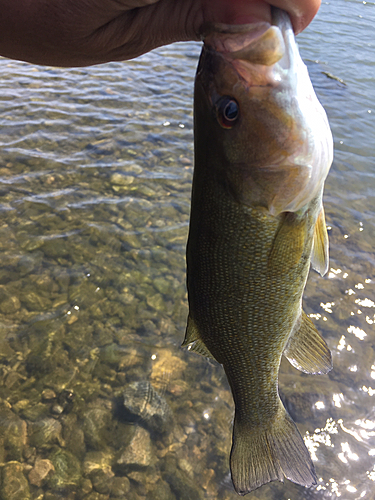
[[85, 32]]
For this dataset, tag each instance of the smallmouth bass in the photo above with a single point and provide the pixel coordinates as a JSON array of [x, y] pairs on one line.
[[263, 149]]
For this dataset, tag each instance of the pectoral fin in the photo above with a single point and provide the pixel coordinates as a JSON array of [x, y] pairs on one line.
[[288, 245], [320, 253], [307, 350], [193, 340]]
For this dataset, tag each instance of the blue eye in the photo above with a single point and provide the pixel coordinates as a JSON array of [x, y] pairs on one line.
[[231, 111], [227, 112]]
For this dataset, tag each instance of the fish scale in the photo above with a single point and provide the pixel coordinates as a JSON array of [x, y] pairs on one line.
[[263, 148]]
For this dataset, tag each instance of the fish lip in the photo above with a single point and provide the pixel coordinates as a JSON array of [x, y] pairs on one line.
[[227, 39]]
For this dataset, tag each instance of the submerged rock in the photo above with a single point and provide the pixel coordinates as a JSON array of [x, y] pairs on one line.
[[142, 401], [13, 434], [14, 484], [120, 487], [97, 426], [45, 432], [67, 473], [139, 452], [40, 471]]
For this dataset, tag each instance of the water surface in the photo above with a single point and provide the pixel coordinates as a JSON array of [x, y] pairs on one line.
[[95, 179]]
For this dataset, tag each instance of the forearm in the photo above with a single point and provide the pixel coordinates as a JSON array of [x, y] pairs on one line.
[[81, 32]]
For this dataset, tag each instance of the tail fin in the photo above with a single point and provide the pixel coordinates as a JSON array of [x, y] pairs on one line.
[[263, 454]]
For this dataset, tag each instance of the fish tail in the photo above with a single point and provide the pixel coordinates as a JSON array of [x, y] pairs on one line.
[[267, 453]]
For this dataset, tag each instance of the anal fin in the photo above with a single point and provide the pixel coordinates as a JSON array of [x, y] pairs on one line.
[[193, 340], [306, 349], [320, 252]]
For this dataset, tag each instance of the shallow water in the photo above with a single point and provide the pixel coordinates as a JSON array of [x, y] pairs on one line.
[[96, 169]]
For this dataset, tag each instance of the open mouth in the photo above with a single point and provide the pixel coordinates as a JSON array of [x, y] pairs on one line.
[[259, 43]]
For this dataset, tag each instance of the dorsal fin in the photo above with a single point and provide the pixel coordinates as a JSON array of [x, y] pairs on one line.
[[320, 252], [193, 340], [307, 350]]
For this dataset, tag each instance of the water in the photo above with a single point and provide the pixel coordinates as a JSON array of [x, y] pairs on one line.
[[95, 172]]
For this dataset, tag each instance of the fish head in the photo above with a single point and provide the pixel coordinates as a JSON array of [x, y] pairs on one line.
[[257, 109]]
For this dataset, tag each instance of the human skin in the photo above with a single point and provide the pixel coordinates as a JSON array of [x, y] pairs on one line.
[[86, 32]]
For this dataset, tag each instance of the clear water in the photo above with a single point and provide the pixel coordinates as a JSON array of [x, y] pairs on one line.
[[95, 178]]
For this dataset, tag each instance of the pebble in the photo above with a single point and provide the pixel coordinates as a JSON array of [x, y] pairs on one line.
[[14, 484], [40, 471], [139, 452], [143, 401]]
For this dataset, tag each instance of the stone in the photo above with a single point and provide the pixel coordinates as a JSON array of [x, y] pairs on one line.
[[45, 432], [97, 426], [14, 483], [143, 401], [13, 433], [166, 366], [161, 491], [67, 473], [10, 305], [139, 452], [40, 471], [120, 487], [97, 460]]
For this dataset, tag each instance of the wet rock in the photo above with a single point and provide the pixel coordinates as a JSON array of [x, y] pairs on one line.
[[308, 398], [10, 305], [102, 480], [14, 483], [97, 460], [13, 434], [67, 473], [85, 487], [45, 432], [25, 265], [156, 301], [139, 452], [94, 495], [5, 350], [34, 302], [40, 471], [161, 491], [162, 285], [35, 412], [165, 367], [182, 486], [143, 401], [120, 487], [119, 179], [97, 427], [73, 435]]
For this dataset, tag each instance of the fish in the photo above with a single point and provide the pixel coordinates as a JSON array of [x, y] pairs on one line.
[[263, 149]]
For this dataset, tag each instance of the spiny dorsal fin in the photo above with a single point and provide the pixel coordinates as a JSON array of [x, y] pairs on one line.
[[193, 340], [307, 350], [288, 245], [320, 252]]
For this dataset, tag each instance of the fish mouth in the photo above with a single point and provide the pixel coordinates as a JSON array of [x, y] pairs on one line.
[[261, 44]]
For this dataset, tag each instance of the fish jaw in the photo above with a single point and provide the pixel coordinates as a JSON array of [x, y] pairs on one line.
[[278, 152]]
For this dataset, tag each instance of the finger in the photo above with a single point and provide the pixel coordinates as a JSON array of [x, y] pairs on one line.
[[301, 12], [249, 11]]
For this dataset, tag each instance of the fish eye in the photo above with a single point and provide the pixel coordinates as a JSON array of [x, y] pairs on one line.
[[227, 112]]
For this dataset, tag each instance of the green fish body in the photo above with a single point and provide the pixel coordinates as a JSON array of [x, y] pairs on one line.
[[257, 222]]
